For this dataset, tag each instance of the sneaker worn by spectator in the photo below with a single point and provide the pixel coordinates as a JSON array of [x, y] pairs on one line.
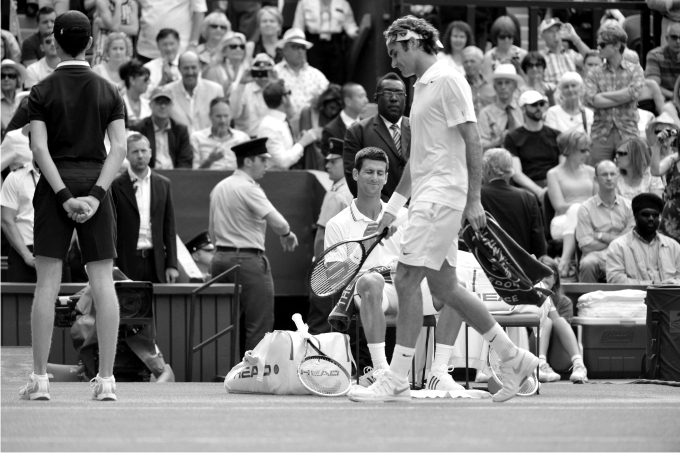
[[481, 378], [547, 374], [442, 380], [579, 373], [37, 388], [103, 389], [514, 372], [387, 387]]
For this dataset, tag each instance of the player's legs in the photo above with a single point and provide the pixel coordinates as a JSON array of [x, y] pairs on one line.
[[370, 288], [42, 315], [448, 326], [108, 313]]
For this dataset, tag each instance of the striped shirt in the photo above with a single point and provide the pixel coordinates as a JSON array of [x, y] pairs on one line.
[[557, 63], [663, 64]]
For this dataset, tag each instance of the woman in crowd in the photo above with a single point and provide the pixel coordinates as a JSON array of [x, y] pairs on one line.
[[113, 16], [325, 108], [270, 24], [136, 80], [661, 136], [570, 112], [591, 60], [117, 51], [457, 37], [569, 184], [231, 66], [633, 159], [533, 67], [13, 76], [215, 27], [503, 32]]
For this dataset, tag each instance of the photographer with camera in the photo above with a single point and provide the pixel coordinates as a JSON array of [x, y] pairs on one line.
[[662, 135], [246, 100]]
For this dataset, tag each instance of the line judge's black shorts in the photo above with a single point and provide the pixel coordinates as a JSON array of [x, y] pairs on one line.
[[53, 229]]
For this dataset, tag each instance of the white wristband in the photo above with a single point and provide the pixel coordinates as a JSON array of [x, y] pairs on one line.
[[397, 201]]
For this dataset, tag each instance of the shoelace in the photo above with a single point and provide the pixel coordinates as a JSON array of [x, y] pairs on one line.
[[377, 374], [381, 381]]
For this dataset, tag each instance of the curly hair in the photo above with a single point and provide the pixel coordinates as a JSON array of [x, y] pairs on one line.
[[497, 164], [401, 26], [460, 26], [117, 36]]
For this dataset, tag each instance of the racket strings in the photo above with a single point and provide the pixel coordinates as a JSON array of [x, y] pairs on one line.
[[323, 377], [529, 386], [334, 270]]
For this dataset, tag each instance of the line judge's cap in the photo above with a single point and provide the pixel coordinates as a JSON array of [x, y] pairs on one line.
[[201, 241], [73, 24], [335, 145], [256, 147]]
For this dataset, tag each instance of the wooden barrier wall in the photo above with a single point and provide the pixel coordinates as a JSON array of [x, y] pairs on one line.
[[171, 309]]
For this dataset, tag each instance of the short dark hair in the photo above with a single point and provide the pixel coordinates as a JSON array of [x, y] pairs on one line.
[[501, 25], [73, 45], [430, 35], [240, 161], [273, 94], [165, 32], [331, 94], [44, 11], [217, 100], [347, 89], [457, 25], [533, 57], [388, 76], [132, 68], [370, 153]]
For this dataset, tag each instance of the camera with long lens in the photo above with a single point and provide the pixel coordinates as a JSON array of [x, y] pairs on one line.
[[65, 311]]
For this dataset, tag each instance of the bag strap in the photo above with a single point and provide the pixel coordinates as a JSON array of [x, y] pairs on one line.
[[585, 121]]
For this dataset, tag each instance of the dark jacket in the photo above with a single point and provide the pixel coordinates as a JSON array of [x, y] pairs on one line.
[[334, 129], [162, 224], [181, 151]]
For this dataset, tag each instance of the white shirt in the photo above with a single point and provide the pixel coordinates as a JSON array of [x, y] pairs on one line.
[[144, 109], [335, 200], [248, 107], [348, 120], [304, 85], [558, 119], [143, 196], [163, 159], [17, 194], [338, 16], [280, 144], [158, 14], [204, 143], [155, 68], [389, 125], [442, 100], [193, 110], [37, 71]]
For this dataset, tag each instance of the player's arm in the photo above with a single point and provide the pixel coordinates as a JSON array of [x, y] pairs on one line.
[[474, 212], [397, 200], [11, 230]]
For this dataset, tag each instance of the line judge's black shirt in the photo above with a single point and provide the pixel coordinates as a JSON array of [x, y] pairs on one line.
[[76, 105]]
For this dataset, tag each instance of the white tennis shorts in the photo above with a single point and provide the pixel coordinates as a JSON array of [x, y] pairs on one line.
[[390, 301], [431, 235]]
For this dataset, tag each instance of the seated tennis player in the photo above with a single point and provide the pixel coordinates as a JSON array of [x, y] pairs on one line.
[[375, 297]]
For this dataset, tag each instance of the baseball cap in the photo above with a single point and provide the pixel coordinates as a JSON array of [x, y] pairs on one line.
[[546, 24], [161, 93], [530, 97], [73, 24]]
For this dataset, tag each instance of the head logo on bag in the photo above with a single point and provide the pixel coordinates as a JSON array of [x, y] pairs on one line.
[[252, 372]]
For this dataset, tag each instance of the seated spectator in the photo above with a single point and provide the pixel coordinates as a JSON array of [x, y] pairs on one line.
[[270, 25], [117, 50], [229, 66], [570, 184], [457, 37], [136, 80], [304, 81], [533, 145], [663, 63], [10, 47], [30, 48], [515, 209], [643, 256], [37, 71], [664, 163], [633, 159], [202, 251], [569, 112], [284, 150], [16, 151], [246, 99], [113, 17], [215, 26], [590, 60], [192, 94], [502, 35], [355, 102], [533, 67], [601, 219], [558, 59], [483, 93], [212, 146], [498, 119], [163, 70], [322, 111], [169, 141], [13, 77], [612, 90]]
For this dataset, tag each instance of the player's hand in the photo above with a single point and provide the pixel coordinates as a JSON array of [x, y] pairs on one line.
[[289, 242], [385, 222], [171, 275], [93, 203], [77, 209], [474, 213], [29, 259]]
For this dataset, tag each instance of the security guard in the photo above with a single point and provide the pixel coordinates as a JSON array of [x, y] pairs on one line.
[[202, 251], [239, 215]]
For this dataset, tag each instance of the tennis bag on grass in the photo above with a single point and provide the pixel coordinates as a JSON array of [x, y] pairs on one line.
[[511, 270], [272, 366]]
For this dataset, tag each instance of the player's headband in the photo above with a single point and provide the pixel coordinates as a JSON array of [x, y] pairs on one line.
[[406, 35]]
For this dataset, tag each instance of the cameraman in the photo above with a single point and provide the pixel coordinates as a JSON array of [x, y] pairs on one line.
[[247, 102], [662, 135]]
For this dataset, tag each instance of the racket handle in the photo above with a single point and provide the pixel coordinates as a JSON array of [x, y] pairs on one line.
[[301, 326]]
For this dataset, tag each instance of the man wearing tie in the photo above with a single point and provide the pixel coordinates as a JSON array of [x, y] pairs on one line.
[[389, 130], [146, 246]]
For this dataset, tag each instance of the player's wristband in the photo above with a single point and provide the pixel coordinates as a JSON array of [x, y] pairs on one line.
[[397, 201], [287, 234], [98, 192], [63, 195]]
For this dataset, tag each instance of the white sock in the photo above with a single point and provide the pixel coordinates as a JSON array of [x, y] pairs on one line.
[[378, 355], [501, 343], [40, 376], [401, 361], [542, 359], [577, 359], [441, 357]]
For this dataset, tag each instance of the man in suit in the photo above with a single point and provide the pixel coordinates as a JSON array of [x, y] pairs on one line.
[[355, 100], [146, 246], [169, 141], [193, 110], [516, 210], [389, 130]]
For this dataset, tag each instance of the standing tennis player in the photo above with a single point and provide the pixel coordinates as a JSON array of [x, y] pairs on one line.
[[70, 112], [443, 178]]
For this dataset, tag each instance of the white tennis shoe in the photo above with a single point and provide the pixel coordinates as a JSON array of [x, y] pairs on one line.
[[442, 380], [580, 374], [387, 387], [37, 388], [513, 373], [103, 389], [547, 374], [370, 376]]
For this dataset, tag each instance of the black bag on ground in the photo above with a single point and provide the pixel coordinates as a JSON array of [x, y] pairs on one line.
[[510, 269], [663, 333]]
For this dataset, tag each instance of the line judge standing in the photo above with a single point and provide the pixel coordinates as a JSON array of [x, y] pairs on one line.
[[239, 215]]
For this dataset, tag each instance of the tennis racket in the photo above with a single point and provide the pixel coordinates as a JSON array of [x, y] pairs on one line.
[[318, 373], [529, 386], [339, 264]]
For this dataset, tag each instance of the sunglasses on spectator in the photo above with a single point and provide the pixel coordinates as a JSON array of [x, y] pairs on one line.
[[389, 93], [585, 150], [506, 36], [534, 65], [621, 153], [237, 46], [7, 75], [297, 47], [602, 45], [673, 37], [221, 27], [539, 104]]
